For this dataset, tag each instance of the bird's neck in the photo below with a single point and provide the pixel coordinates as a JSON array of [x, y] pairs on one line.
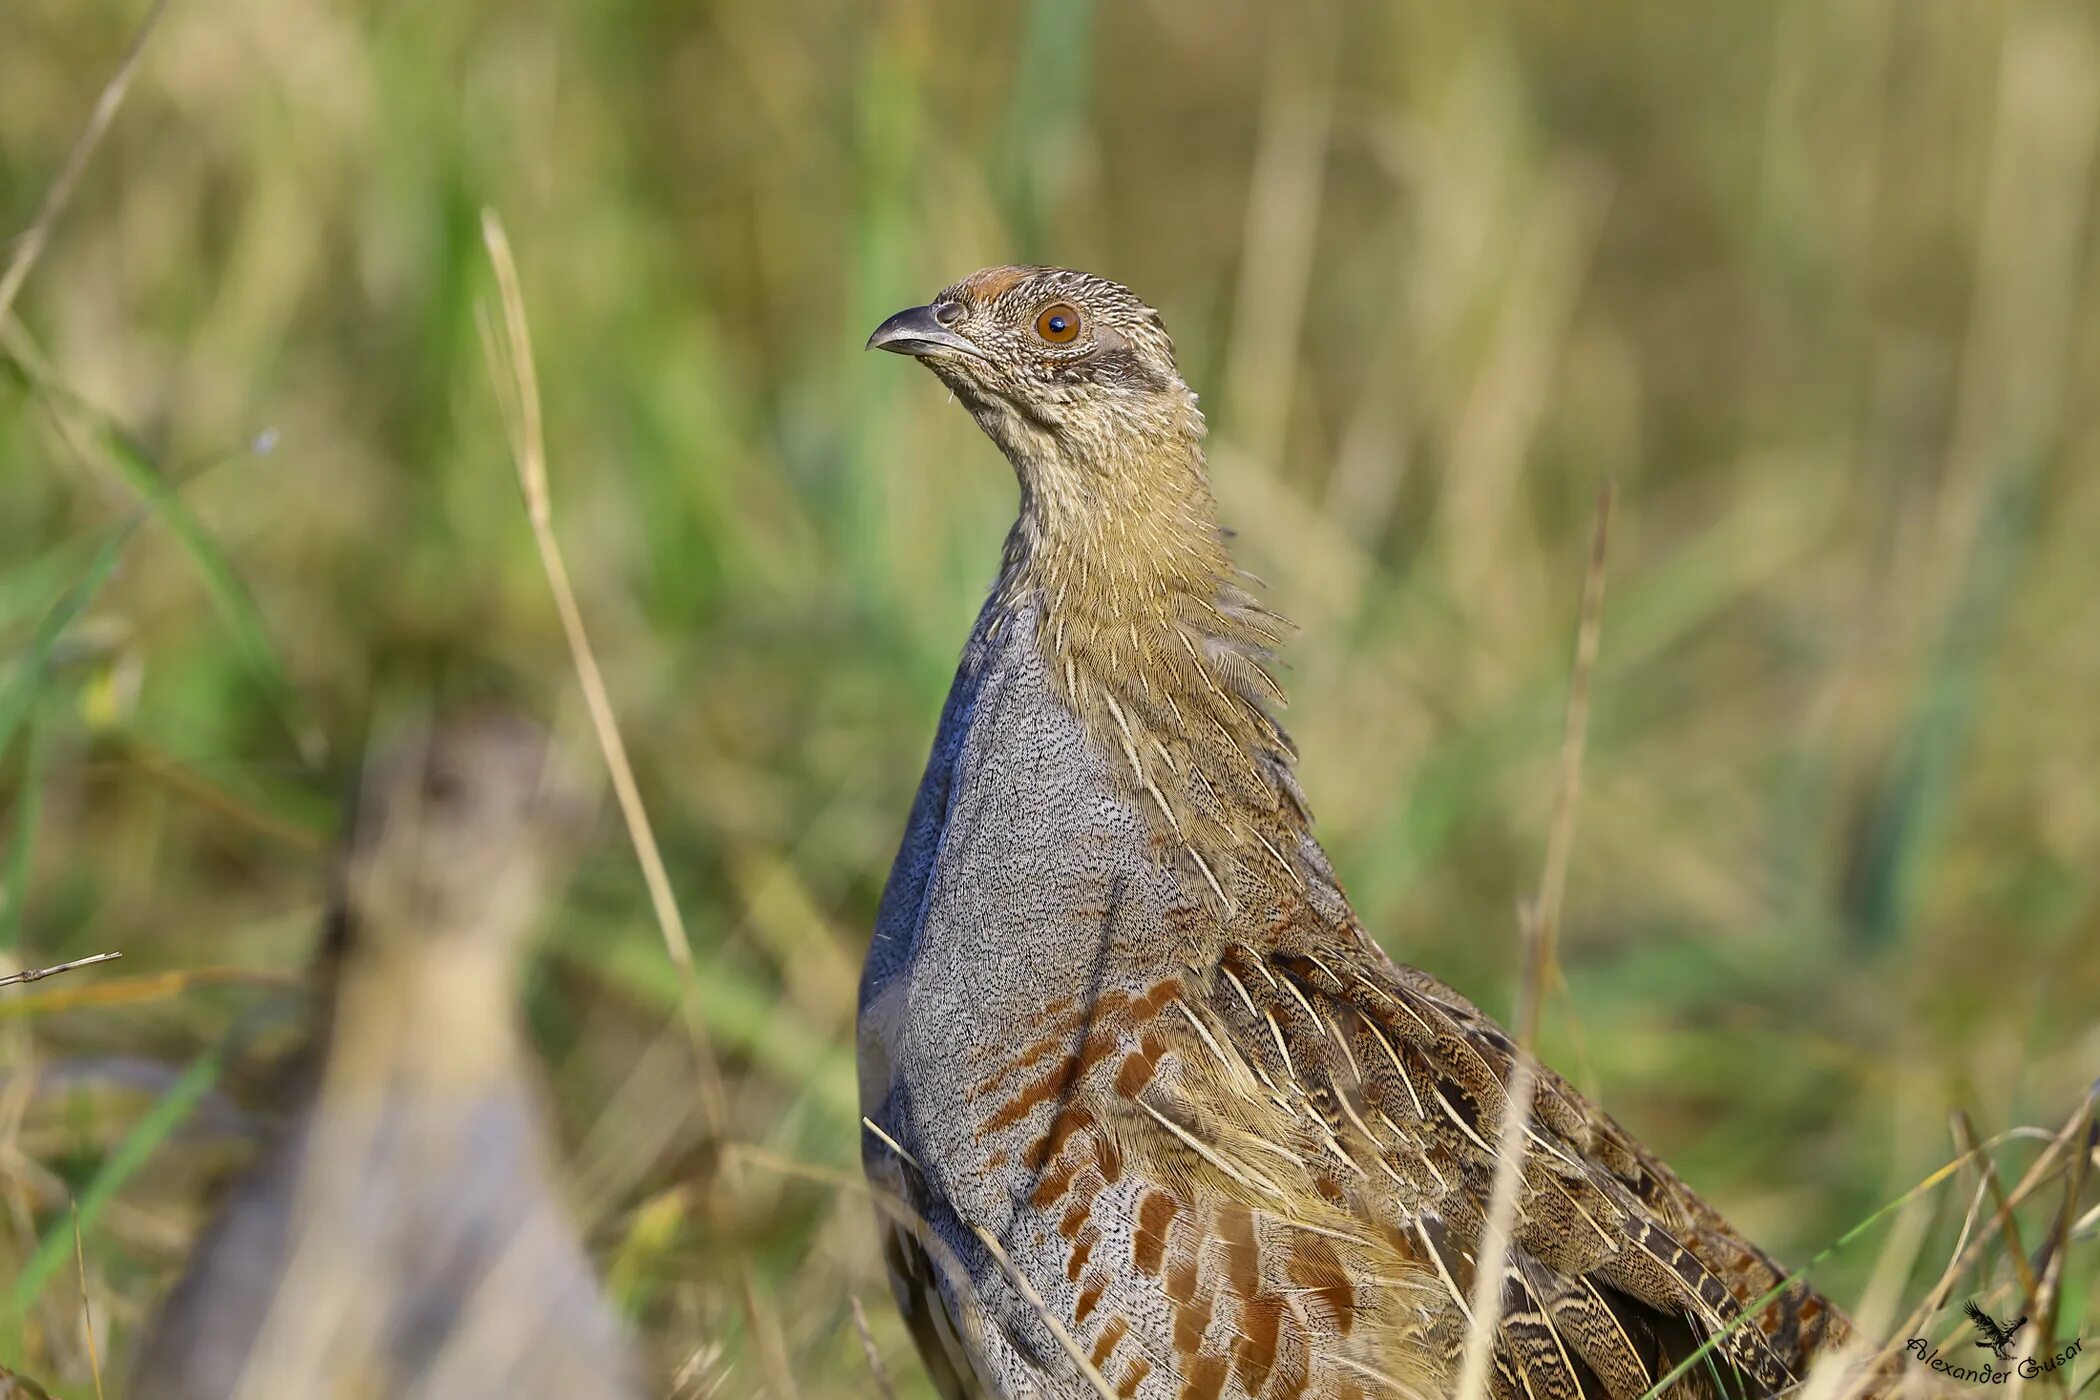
[[1149, 637], [436, 1020]]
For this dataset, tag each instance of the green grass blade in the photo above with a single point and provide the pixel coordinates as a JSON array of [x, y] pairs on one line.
[[1049, 102], [119, 1167], [20, 692], [159, 494], [1906, 817], [14, 894], [28, 587], [229, 595]]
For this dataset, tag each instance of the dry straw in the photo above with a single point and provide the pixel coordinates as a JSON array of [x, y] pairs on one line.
[[38, 974], [1541, 927], [519, 394], [31, 244]]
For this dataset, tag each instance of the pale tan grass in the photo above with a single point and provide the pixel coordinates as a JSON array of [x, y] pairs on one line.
[[2008, 1224], [87, 1313], [876, 1369], [1540, 925], [528, 446], [30, 246], [1283, 219]]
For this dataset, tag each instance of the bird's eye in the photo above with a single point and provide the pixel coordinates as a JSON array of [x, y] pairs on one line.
[[1058, 323], [947, 312]]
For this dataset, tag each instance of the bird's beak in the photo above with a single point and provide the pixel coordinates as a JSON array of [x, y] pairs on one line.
[[915, 332]]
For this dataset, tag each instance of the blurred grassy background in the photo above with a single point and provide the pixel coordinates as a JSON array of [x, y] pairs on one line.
[[1814, 282]]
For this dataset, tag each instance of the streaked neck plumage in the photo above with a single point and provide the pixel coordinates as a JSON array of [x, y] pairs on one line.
[[1150, 638]]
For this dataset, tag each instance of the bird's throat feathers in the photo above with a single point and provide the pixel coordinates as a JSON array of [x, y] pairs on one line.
[[435, 1021], [1149, 636]]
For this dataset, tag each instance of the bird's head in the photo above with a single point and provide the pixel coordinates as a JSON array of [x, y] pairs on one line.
[[1146, 632], [1069, 373], [456, 830]]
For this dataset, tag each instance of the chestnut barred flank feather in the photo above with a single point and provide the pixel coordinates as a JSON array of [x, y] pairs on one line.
[[1168, 1123]]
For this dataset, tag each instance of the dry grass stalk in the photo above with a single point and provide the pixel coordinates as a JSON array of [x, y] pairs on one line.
[[136, 991], [1034, 1300], [2008, 1224], [943, 1258], [1542, 963], [38, 974], [31, 244], [1541, 924], [702, 1376], [2058, 1248], [528, 446], [756, 1156], [87, 1314], [1938, 1297], [1967, 1250], [867, 1346]]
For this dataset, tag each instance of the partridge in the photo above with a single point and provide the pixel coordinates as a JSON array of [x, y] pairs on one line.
[[1153, 1114], [402, 1237]]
